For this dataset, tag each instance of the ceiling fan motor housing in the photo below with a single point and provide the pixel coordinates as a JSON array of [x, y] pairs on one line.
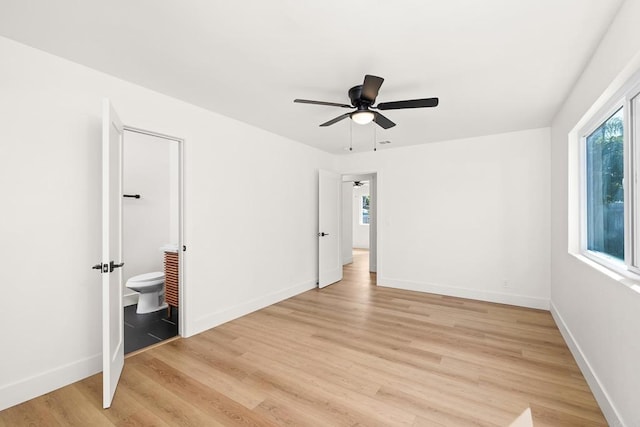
[[355, 95]]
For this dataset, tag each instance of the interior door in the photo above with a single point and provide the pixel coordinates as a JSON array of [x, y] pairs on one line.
[[112, 307], [329, 262]]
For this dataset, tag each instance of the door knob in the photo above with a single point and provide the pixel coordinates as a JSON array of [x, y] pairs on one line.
[[323, 234], [113, 266], [104, 268]]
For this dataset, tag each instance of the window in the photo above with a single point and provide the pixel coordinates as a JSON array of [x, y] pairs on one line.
[[605, 195], [364, 211], [610, 206]]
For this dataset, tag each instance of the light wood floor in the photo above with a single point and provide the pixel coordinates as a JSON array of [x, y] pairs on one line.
[[349, 354]]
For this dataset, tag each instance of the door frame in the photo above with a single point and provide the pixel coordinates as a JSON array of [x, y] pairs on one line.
[[374, 231], [182, 309]]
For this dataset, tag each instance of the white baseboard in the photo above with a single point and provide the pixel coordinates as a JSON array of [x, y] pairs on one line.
[[45, 382], [347, 260], [606, 405], [490, 296], [225, 315]]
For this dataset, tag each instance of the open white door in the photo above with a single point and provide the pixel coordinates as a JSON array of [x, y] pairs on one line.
[[112, 307], [329, 262]]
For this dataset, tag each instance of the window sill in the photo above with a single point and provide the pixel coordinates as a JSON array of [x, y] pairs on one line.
[[621, 275]]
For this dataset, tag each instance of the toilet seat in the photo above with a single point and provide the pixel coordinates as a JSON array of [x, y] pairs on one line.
[[146, 279]]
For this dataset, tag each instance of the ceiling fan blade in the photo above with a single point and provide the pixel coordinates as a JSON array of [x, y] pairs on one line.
[[336, 120], [382, 121], [331, 104], [370, 88], [413, 103]]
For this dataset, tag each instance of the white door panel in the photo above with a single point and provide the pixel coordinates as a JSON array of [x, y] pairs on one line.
[[112, 306], [329, 261]]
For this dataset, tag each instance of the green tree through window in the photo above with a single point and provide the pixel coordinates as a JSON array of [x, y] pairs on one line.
[[605, 194], [364, 219]]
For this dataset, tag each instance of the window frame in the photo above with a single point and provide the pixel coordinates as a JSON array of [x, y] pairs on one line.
[[632, 165], [624, 98]]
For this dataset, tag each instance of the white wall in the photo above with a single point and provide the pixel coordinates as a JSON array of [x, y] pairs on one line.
[[360, 231], [462, 217], [598, 314], [236, 261], [147, 221]]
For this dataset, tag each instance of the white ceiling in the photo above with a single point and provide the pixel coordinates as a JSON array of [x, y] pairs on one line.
[[496, 65]]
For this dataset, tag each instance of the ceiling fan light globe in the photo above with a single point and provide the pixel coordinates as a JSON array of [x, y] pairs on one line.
[[362, 117]]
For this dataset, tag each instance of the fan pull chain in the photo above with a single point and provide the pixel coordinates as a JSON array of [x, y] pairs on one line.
[[351, 135], [374, 138]]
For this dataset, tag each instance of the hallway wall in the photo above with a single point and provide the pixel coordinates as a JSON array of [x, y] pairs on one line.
[[360, 231]]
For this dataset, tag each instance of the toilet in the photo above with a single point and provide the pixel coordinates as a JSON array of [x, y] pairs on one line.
[[151, 289]]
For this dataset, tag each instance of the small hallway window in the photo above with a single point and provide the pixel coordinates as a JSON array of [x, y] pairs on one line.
[[364, 217]]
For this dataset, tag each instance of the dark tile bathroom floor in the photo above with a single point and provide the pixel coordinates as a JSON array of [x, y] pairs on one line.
[[142, 330]]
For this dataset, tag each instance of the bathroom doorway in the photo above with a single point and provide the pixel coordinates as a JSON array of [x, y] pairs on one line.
[[152, 237]]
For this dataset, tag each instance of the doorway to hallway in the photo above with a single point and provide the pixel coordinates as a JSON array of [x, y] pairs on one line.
[[359, 218], [358, 270]]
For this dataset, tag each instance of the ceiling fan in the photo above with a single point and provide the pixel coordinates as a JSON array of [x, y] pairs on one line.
[[362, 99]]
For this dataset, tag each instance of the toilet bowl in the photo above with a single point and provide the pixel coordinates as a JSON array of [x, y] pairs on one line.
[[151, 289]]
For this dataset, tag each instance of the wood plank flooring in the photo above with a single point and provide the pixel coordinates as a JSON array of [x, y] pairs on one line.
[[349, 354]]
